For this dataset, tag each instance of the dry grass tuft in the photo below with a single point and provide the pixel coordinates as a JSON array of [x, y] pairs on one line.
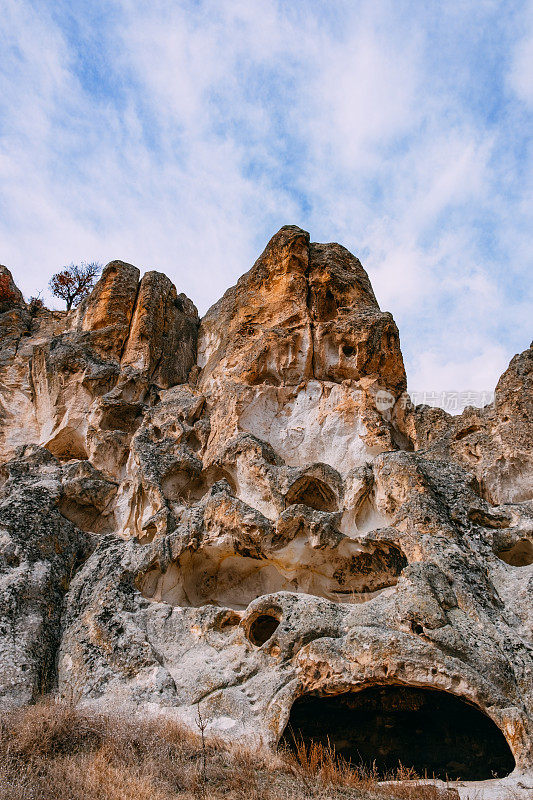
[[317, 761], [54, 751]]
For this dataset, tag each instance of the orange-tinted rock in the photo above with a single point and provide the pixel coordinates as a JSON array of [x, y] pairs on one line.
[[301, 334], [10, 294], [352, 338], [109, 308], [260, 331], [162, 340], [14, 317], [304, 311], [82, 402]]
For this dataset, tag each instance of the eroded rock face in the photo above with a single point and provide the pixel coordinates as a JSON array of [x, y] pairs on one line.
[[40, 551], [495, 443], [251, 513]]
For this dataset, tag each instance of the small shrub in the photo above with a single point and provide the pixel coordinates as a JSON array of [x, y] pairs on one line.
[[35, 304]]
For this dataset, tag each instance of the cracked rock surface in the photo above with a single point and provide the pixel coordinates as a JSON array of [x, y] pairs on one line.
[[246, 511]]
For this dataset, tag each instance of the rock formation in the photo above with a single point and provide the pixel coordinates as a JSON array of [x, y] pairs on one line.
[[247, 513]]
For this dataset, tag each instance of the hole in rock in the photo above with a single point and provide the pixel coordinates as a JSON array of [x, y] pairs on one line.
[[519, 555], [121, 417], [367, 517], [311, 492], [193, 440], [325, 305], [149, 533], [348, 350], [182, 486], [67, 444], [466, 432], [268, 378], [262, 628], [229, 620], [206, 578], [433, 732], [86, 517]]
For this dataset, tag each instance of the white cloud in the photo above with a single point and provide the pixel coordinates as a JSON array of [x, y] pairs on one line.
[[455, 383], [521, 72]]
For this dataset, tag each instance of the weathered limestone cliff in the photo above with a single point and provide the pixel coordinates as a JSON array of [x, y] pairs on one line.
[[247, 512]]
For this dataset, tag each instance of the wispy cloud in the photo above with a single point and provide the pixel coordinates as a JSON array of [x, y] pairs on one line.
[[181, 135]]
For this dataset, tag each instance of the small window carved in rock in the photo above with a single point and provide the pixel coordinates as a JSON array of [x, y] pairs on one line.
[[262, 628], [121, 417], [193, 440]]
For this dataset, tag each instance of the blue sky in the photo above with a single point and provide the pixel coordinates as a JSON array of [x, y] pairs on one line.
[[180, 136]]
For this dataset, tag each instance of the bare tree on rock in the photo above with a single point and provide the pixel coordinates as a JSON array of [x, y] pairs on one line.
[[74, 282]]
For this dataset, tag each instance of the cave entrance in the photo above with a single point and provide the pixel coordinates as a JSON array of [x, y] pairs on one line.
[[435, 733]]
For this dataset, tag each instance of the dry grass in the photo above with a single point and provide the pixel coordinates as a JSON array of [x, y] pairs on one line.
[[53, 751]]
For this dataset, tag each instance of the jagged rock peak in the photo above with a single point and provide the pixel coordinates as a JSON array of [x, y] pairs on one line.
[[110, 304], [144, 325], [13, 293], [304, 311]]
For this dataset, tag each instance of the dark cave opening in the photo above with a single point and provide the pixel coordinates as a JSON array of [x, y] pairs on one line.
[[435, 733]]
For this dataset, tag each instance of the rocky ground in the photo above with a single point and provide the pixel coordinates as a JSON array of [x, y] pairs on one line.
[[245, 514]]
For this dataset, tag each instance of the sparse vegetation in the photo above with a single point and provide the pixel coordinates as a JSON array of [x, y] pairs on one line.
[[53, 751], [35, 305], [7, 295], [74, 282]]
